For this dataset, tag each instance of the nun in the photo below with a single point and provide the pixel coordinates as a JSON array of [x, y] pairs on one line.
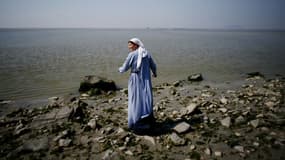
[[140, 98]]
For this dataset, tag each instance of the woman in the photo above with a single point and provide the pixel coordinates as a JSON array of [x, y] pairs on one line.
[[140, 103]]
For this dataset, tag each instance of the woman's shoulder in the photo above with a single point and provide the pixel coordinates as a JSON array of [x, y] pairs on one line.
[[133, 53]]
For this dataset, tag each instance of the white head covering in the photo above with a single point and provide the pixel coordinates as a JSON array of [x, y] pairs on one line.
[[142, 52]]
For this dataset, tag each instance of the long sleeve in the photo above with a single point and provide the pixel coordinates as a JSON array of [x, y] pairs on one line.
[[127, 64], [152, 66]]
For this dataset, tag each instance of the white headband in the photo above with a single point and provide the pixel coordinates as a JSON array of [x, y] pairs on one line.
[[142, 52]]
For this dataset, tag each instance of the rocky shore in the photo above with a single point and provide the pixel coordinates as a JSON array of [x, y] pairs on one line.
[[194, 121]]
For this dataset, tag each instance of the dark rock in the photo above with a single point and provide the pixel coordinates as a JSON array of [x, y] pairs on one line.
[[195, 77], [96, 85], [254, 74]]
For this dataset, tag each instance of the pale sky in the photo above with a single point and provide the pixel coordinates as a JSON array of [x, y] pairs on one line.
[[248, 14]]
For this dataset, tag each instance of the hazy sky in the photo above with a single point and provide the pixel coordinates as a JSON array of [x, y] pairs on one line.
[[145, 13]]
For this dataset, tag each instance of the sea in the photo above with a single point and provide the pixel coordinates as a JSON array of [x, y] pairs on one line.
[[36, 64]]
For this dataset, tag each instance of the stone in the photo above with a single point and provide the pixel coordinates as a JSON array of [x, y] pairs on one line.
[[21, 131], [130, 153], [192, 147], [223, 100], [176, 83], [218, 153], [195, 77], [191, 107], [36, 145], [254, 123], [176, 140], [84, 140], [150, 139], [226, 122], [107, 155], [207, 151], [270, 104], [254, 74], [64, 112], [239, 148], [64, 142], [224, 110], [182, 127], [92, 123], [95, 85], [239, 120]]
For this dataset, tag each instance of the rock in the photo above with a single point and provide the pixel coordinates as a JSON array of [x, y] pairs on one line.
[[226, 122], [256, 144], [84, 140], [191, 107], [150, 139], [21, 131], [64, 112], [239, 148], [95, 85], [182, 127], [218, 154], [254, 123], [5, 101], [52, 100], [78, 111], [176, 83], [36, 145], [224, 110], [239, 120], [109, 154], [207, 151], [176, 140], [270, 104], [195, 77], [92, 123], [254, 74], [223, 100], [192, 147], [64, 142], [130, 153]]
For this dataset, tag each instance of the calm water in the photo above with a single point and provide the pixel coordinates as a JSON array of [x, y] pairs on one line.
[[40, 63]]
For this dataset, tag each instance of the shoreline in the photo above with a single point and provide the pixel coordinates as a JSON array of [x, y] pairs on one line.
[[234, 120]]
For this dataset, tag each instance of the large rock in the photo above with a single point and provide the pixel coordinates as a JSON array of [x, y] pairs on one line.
[[195, 77], [95, 85]]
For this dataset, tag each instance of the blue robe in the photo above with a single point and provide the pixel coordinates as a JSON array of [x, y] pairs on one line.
[[140, 99]]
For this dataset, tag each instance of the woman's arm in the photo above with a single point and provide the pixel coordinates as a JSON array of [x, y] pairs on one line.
[[127, 64], [152, 66]]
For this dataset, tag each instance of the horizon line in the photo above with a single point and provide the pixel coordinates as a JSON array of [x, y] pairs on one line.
[[154, 28]]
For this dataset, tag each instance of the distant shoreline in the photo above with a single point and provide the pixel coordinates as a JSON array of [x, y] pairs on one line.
[[148, 28]]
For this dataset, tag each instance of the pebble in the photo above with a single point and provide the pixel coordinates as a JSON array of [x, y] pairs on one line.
[[192, 147], [223, 100], [150, 139], [226, 122], [254, 123], [64, 142], [239, 148], [92, 123], [218, 154], [128, 152], [207, 151], [182, 127], [224, 110], [191, 107], [176, 140]]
